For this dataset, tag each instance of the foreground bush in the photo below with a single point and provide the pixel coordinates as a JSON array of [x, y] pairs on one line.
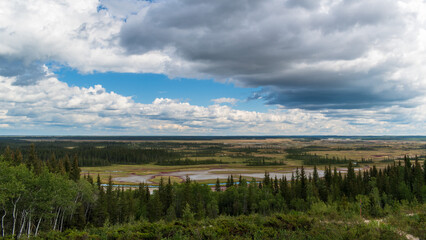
[[278, 226]]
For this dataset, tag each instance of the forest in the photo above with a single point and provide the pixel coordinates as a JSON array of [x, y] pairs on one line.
[[47, 197]]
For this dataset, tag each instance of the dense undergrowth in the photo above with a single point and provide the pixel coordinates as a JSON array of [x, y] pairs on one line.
[[321, 222]]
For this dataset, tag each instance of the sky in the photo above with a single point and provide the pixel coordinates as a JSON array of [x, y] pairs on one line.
[[202, 67]]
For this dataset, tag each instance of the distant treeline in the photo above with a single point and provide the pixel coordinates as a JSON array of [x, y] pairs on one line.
[[263, 161], [91, 154], [98, 154], [314, 159], [186, 161]]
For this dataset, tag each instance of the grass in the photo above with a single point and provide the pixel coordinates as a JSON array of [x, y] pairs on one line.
[[232, 153], [173, 179]]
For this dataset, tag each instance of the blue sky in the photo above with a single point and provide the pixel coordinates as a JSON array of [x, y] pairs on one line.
[[200, 67], [146, 87]]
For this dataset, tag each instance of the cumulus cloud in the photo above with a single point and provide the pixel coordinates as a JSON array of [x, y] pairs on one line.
[[76, 33], [331, 66], [231, 101], [25, 73], [52, 105], [306, 54], [326, 54]]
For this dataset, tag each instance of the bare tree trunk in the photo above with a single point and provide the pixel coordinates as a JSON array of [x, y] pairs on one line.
[[24, 218], [56, 218], [62, 220], [87, 210], [14, 215], [2, 221], [38, 225], [29, 227], [75, 204]]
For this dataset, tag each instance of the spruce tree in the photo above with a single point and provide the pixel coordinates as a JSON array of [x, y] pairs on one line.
[[188, 216], [303, 185], [31, 157], [75, 169], [18, 158], [217, 188], [52, 163], [67, 164], [315, 177], [276, 188], [266, 179], [8, 155], [98, 182]]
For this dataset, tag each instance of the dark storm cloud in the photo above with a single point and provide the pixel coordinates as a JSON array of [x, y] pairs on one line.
[[267, 43], [26, 74]]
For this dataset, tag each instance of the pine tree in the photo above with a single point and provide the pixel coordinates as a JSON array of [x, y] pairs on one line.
[[75, 169], [31, 157], [18, 158], [276, 188], [188, 216], [111, 201], [67, 164], [285, 193], [407, 171], [52, 163], [424, 171], [89, 179], [328, 177], [61, 167], [34, 162], [266, 179], [228, 182], [154, 207], [418, 181], [171, 213], [100, 212], [8, 155], [217, 188], [303, 185], [169, 194], [315, 178], [351, 180]]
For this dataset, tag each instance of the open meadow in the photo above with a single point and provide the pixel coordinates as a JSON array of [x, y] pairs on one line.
[[250, 158]]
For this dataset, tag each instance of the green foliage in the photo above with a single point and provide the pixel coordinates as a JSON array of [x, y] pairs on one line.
[[40, 196], [277, 226], [188, 216]]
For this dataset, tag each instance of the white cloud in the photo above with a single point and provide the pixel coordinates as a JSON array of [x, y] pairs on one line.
[[231, 101], [71, 32], [357, 65], [331, 54], [52, 106]]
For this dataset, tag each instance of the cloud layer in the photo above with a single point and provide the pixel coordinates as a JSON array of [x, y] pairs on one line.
[[330, 66], [51, 104], [327, 54]]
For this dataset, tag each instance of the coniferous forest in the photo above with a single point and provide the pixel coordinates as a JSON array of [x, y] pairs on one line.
[[48, 198]]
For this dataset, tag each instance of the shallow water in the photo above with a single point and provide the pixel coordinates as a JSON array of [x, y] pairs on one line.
[[212, 174]]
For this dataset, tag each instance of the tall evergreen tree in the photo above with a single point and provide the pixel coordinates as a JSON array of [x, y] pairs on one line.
[[8, 155], [75, 169], [19, 159], [303, 184], [67, 164], [217, 187]]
